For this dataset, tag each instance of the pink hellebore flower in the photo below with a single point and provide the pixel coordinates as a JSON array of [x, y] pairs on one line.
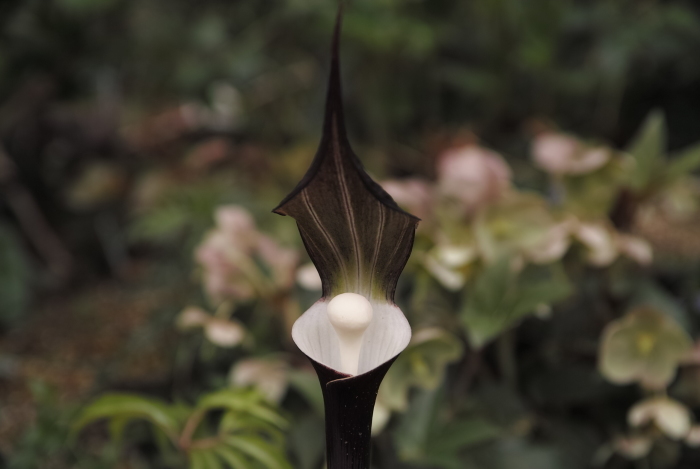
[[561, 154], [473, 175], [282, 261], [230, 255]]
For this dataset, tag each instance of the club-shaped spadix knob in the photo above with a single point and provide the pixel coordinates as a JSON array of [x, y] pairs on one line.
[[350, 314]]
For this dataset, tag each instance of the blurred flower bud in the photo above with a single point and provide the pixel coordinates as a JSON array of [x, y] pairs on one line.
[[308, 278], [668, 415], [223, 332], [192, 317], [268, 375], [636, 248], [473, 175], [455, 256], [448, 276], [599, 240], [561, 154]]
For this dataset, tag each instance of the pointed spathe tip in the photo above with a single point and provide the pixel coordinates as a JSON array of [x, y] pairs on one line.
[[335, 44]]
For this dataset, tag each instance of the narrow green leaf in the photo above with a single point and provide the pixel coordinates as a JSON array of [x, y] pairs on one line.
[[233, 422], [647, 149], [242, 402], [116, 427], [266, 454], [233, 459], [197, 460], [129, 407], [354, 232], [684, 162], [209, 459]]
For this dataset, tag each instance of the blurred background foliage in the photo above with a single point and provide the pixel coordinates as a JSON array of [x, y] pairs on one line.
[[147, 292]]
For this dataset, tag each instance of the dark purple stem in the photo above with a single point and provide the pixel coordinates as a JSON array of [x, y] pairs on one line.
[[349, 404]]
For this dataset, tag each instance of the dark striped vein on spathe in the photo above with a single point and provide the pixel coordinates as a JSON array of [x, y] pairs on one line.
[[346, 199], [329, 240], [377, 243]]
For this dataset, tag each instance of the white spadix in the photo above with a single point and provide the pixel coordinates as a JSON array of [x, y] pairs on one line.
[[350, 314]]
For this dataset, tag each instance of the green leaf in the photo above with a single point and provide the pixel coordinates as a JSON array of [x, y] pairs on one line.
[[233, 422], [307, 440], [458, 435], [356, 235], [268, 455], [205, 459], [422, 364], [411, 435], [126, 407], [423, 439], [307, 385], [648, 148], [499, 298], [233, 459], [685, 162], [242, 401]]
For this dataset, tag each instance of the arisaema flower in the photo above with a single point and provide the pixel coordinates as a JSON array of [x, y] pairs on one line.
[[359, 239]]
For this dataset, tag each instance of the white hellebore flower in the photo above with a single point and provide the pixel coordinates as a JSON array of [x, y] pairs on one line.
[[670, 416]]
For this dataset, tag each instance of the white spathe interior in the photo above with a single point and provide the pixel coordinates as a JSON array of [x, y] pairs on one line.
[[386, 336]]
